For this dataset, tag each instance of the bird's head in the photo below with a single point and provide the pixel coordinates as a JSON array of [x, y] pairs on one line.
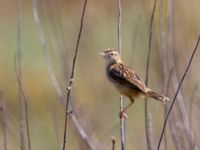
[[111, 56]]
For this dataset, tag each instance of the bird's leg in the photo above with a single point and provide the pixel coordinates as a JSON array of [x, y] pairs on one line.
[[122, 113]]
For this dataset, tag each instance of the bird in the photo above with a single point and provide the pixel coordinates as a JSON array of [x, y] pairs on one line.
[[126, 81]]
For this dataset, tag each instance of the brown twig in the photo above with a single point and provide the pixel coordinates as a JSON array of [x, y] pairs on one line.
[[147, 115], [72, 75], [54, 80], [3, 120], [113, 143], [174, 99]]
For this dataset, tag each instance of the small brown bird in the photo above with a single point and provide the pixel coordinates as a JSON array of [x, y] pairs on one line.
[[126, 81]]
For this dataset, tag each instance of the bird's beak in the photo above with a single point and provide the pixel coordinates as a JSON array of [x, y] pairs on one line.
[[102, 54]]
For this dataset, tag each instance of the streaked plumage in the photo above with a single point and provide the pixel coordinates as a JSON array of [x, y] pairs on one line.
[[126, 80], [124, 76]]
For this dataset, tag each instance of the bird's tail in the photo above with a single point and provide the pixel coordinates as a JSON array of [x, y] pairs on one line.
[[157, 96]]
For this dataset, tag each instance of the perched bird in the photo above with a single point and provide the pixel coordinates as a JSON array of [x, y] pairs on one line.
[[127, 82]]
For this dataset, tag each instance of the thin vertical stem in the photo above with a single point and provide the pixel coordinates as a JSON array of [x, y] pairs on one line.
[[191, 103], [119, 29], [27, 122], [24, 122], [122, 119], [3, 120], [147, 113], [180, 99], [54, 118], [72, 75], [171, 121], [164, 58], [113, 143], [53, 77], [18, 63], [122, 125], [177, 91], [192, 146]]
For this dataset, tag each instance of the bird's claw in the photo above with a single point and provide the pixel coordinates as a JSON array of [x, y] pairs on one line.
[[122, 114]]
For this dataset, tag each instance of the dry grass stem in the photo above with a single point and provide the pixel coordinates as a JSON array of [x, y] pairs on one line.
[[122, 119], [72, 75], [148, 128], [180, 99], [24, 122], [113, 143], [192, 145], [3, 118], [53, 77], [176, 94]]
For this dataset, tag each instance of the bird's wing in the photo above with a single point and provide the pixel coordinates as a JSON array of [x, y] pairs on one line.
[[124, 75]]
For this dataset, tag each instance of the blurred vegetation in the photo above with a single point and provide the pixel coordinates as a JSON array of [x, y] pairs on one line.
[[95, 101]]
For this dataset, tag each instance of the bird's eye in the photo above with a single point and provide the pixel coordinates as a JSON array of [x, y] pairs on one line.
[[111, 54]]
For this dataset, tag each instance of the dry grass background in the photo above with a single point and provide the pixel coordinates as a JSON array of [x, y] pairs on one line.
[[95, 101]]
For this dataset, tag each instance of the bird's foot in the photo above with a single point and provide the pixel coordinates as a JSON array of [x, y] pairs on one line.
[[165, 100], [122, 114]]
